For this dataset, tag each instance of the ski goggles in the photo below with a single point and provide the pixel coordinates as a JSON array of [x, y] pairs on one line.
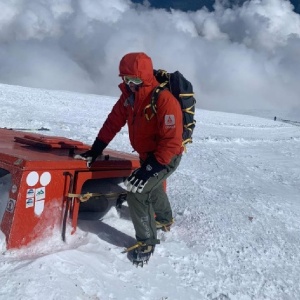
[[134, 80]]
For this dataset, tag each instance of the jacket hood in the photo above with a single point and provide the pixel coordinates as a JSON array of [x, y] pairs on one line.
[[137, 65]]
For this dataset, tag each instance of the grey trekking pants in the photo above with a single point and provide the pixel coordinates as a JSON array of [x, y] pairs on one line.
[[152, 204]]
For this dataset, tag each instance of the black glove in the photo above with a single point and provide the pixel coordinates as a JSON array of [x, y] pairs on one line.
[[91, 155], [139, 178]]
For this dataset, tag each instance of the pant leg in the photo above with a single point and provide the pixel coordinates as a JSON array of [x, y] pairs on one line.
[[142, 215], [142, 209], [161, 205], [160, 199]]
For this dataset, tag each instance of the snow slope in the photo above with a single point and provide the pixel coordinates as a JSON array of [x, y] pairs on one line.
[[236, 204]]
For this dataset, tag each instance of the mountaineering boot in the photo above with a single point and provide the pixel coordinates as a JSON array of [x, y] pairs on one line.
[[141, 253], [164, 226]]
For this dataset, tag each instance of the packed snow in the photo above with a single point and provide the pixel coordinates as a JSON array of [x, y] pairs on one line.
[[236, 206]]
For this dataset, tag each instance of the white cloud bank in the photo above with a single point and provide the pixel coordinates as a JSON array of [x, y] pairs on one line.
[[238, 59]]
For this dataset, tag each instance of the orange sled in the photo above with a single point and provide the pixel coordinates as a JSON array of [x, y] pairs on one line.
[[47, 186]]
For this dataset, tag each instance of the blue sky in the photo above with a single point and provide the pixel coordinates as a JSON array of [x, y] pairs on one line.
[[199, 4]]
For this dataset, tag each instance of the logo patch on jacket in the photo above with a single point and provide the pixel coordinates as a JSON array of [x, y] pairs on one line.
[[170, 121]]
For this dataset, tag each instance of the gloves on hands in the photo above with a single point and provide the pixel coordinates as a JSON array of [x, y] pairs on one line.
[[91, 155], [139, 178]]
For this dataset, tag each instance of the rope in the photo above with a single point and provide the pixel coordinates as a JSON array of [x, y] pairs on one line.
[[85, 197]]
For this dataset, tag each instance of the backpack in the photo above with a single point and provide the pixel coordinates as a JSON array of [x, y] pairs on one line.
[[182, 90]]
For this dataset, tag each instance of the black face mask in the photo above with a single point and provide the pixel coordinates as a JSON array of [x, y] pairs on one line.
[[137, 87]]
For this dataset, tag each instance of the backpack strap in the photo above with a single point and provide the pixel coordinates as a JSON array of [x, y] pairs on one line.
[[153, 100]]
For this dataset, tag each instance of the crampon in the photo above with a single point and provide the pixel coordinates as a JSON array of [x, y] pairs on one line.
[[164, 226], [140, 253]]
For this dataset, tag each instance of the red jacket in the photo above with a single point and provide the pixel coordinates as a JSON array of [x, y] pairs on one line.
[[162, 135]]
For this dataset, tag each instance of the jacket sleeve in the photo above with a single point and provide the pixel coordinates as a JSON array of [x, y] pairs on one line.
[[114, 122], [169, 116]]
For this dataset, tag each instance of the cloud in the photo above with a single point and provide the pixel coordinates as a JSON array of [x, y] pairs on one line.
[[240, 59]]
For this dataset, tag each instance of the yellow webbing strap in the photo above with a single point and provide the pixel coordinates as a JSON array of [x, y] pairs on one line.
[[85, 197], [152, 105], [186, 95], [186, 141], [138, 244], [164, 73], [188, 110], [146, 114], [187, 126]]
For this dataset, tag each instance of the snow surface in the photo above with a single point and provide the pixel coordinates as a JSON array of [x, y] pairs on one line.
[[236, 206]]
